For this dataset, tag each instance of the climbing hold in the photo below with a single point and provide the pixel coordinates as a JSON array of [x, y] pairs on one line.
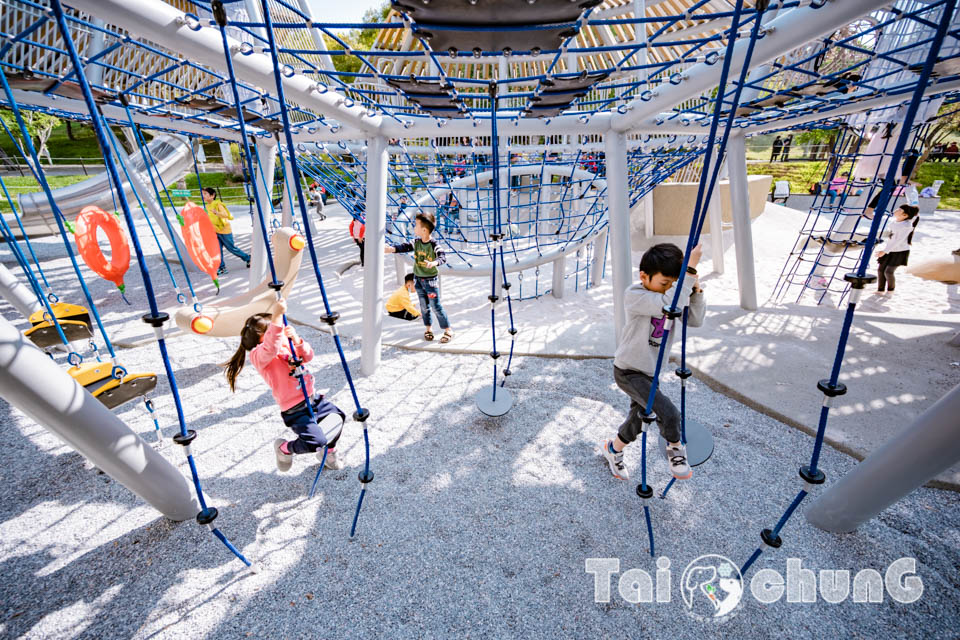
[[201, 324]]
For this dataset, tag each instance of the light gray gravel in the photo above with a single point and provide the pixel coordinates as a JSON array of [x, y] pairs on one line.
[[475, 527]]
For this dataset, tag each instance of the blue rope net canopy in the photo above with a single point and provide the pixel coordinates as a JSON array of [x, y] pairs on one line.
[[431, 64], [604, 60]]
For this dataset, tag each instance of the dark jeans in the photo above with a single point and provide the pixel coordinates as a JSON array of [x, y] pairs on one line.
[[637, 386], [885, 278], [428, 290], [403, 314], [226, 242], [309, 436], [360, 244]]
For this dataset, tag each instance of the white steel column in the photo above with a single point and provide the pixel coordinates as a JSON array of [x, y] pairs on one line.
[[599, 255], [226, 151], [742, 233], [94, 72], [715, 211], [559, 273], [646, 204], [266, 151], [38, 386], [618, 212], [289, 209], [376, 221]]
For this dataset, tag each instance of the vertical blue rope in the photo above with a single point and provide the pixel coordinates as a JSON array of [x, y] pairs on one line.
[[361, 414], [98, 128], [949, 7]]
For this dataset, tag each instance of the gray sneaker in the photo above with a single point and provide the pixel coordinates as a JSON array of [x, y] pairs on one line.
[[677, 461], [615, 460], [284, 460], [332, 462]]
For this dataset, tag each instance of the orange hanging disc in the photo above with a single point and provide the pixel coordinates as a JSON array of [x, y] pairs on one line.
[[200, 238], [89, 220]]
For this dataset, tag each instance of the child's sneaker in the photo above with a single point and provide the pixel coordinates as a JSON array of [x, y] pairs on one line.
[[332, 462], [284, 460], [677, 460], [615, 460]]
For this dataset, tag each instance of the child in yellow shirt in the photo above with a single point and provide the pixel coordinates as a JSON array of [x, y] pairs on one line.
[[399, 305], [220, 216]]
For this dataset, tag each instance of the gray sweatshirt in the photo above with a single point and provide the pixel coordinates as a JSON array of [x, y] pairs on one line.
[[643, 330]]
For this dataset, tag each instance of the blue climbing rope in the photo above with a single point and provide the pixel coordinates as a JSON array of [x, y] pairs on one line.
[[156, 319]]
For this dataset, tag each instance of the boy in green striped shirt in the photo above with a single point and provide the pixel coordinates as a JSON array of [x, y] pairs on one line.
[[427, 256]]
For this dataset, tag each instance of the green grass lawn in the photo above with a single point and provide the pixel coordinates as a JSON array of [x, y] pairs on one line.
[[802, 174]]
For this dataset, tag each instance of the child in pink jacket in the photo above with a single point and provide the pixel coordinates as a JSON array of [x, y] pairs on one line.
[[268, 342]]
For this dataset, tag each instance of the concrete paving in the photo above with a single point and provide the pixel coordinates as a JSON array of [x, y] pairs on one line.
[[897, 364]]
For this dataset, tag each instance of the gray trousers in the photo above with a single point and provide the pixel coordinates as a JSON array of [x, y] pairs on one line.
[[637, 386]]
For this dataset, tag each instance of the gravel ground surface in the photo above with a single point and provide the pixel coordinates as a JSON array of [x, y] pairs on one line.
[[474, 527]]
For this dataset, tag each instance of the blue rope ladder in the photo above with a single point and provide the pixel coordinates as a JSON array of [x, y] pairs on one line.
[[810, 474]]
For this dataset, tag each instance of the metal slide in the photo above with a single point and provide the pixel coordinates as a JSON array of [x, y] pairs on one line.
[[173, 159], [38, 386]]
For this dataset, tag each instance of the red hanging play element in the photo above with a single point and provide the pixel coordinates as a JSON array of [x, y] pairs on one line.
[[200, 238], [89, 220]]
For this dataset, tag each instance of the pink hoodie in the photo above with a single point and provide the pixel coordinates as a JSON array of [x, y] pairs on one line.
[[270, 358]]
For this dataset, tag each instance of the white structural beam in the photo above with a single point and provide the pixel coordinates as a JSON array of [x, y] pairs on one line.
[[786, 32], [376, 222], [618, 213], [160, 22], [18, 295], [226, 131], [742, 232]]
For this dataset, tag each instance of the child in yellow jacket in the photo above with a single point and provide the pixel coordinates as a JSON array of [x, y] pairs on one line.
[[220, 216], [399, 305]]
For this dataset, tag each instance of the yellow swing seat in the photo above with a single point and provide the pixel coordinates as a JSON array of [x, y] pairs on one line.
[[74, 320], [45, 334], [98, 379]]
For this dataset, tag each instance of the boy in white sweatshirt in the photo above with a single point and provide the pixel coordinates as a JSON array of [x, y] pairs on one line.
[[635, 361]]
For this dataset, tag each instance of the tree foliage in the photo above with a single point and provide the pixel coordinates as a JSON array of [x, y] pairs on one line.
[[357, 39], [39, 127], [945, 125]]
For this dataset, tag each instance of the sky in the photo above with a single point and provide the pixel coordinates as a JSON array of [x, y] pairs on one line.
[[341, 10]]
